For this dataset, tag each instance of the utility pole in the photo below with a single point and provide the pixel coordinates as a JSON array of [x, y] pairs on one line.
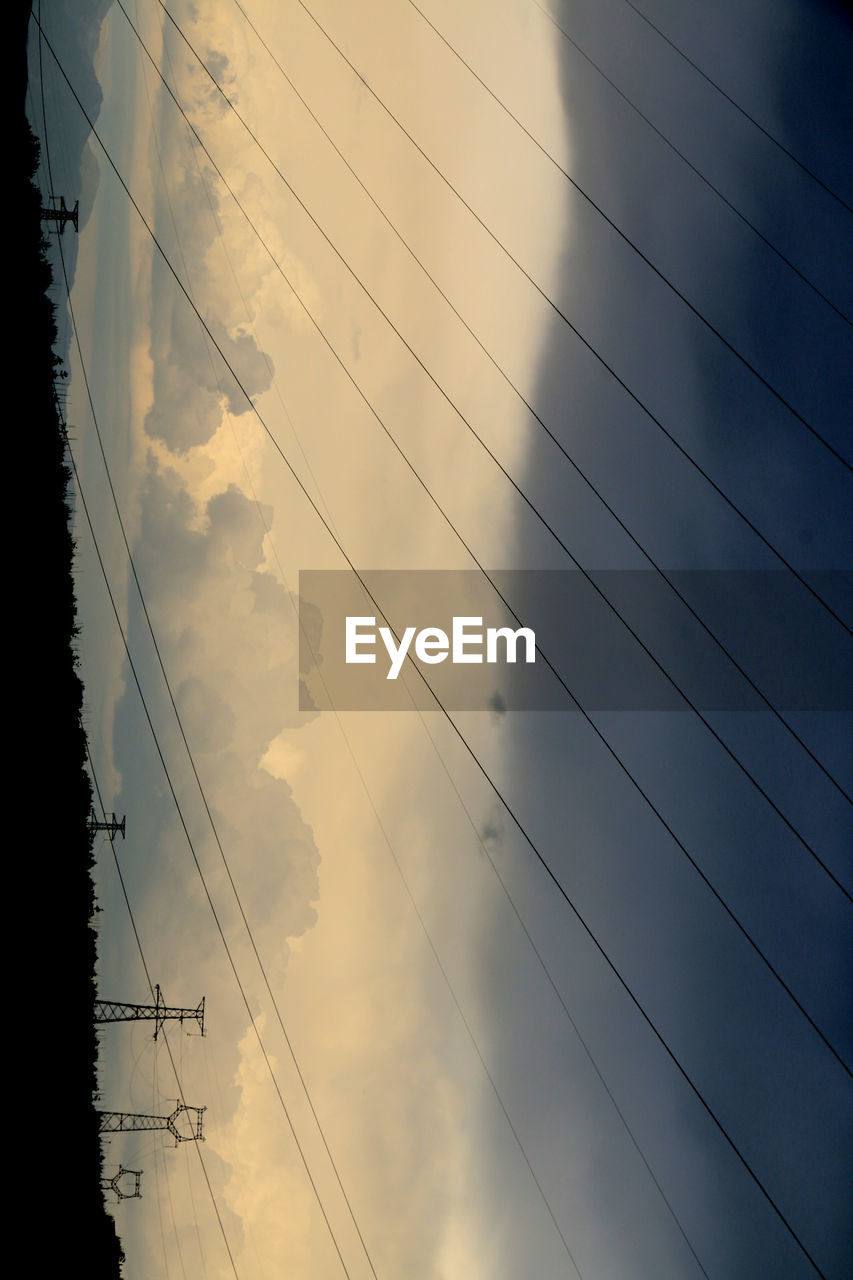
[[114, 1184], [159, 1012], [61, 215], [113, 826], [128, 1121]]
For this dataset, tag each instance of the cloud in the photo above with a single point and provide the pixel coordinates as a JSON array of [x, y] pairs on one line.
[[268, 840], [235, 530], [223, 612], [227, 631], [266, 1173], [250, 371], [194, 383], [207, 719]]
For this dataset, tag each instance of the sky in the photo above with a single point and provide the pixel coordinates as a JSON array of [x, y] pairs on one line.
[[467, 287]]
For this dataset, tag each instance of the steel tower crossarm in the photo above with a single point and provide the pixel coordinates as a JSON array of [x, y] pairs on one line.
[[132, 1121], [125, 1011]]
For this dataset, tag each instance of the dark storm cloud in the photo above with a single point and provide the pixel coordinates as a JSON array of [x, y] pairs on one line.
[[741, 1038]]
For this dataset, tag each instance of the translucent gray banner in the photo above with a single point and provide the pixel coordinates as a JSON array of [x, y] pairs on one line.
[[615, 641]]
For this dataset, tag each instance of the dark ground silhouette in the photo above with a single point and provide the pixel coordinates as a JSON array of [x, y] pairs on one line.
[[54, 1146]]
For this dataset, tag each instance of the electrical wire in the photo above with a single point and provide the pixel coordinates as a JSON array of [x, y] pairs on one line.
[[501, 372], [690, 165], [191, 846], [700, 316], [779, 1212], [585, 342], [133, 925], [388, 842], [236, 892], [742, 111], [97, 789], [169, 781], [239, 902], [592, 582]]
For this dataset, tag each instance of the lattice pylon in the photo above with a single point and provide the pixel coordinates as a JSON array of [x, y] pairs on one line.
[[114, 1184], [113, 826], [159, 1012], [60, 215], [131, 1121]]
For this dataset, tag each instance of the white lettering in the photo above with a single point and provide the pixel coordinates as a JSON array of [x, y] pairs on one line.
[[461, 637], [511, 638], [431, 645], [397, 655], [354, 640]]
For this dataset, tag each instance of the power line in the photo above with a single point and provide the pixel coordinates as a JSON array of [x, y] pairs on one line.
[[191, 845], [767, 134], [166, 770], [91, 765], [766, 701], [597, 731], [690, 165], [502, 373], [237, 284], [585, 342], [389, 844], [765, 382], [538, 954], [190, 754], [126, 897], [199, 784], [717, 737], [237, 895], [545, 970], [517, 822]]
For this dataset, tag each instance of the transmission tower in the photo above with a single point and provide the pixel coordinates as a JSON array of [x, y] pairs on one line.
[[61, 215], [127, 1121], [113, 826], [114, 1184], [159, 1012]]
